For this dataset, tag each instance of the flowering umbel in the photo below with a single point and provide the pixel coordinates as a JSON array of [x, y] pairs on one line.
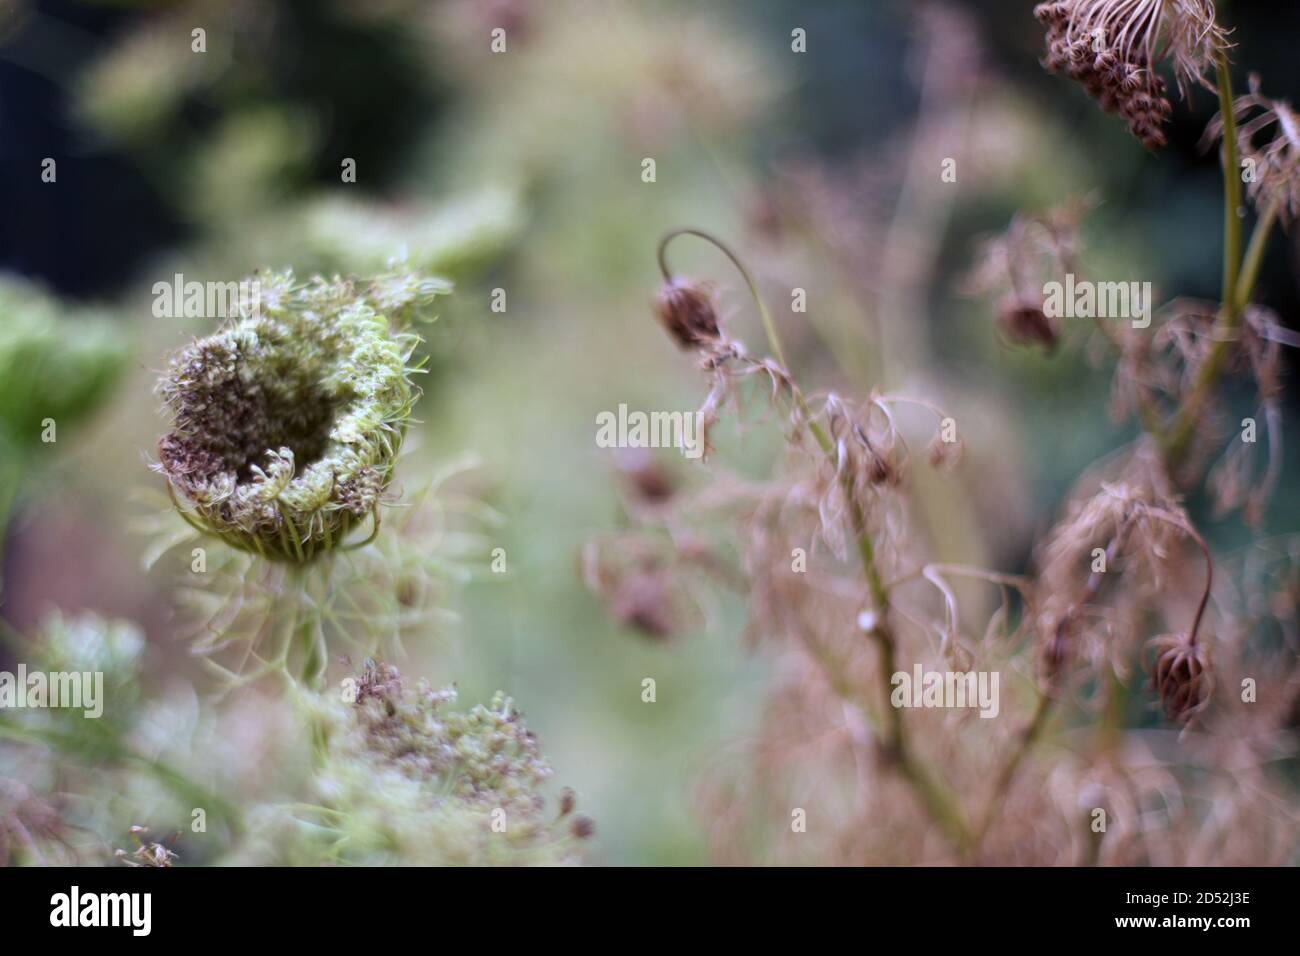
[[287, 422], [1113, 48], [401, 777]]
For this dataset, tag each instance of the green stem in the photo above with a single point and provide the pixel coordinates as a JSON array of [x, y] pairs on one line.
[[1255, 256], [1179, 437], [769, 327]]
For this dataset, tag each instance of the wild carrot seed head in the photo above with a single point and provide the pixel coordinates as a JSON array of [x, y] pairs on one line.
[[287, 422], [1113, 48]]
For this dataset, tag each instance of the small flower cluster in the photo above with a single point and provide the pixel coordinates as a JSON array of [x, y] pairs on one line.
[[150, 854], [287, 422], [485, 754], [400, 778]]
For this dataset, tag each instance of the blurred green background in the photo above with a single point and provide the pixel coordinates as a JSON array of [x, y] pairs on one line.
[[522, 171]]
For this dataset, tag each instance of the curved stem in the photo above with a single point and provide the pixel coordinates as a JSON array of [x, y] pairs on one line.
[[769, 327], [1187, 529]]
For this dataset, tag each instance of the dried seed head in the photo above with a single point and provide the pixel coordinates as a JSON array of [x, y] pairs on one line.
[[688, 310], [583, 828], [287, 422], [1113, 48], [1182, 676], [1013, 269], [1028, 324], [880, 471], [944, 455], [1268, 135], [647, 477], [1116, 541], [643, 601]]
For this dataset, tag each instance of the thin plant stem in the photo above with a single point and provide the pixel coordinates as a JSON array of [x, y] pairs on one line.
[[1002, 783], [1231, 188], [1255, 255], [769, 326], [1195, 535], [1178, 438], [939, 803]]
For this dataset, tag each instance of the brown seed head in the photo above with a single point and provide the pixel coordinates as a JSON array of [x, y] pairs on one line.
[[1182, 676], [1112, 48], [649, 480], [1027, 324], [688, 311], [644, 602], [944, 455]]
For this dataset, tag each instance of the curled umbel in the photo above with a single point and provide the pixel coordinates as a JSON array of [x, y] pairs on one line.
[[286, 423]]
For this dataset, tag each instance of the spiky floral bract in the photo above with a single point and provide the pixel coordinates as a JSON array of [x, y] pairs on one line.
[[247, 617], [287, 422]]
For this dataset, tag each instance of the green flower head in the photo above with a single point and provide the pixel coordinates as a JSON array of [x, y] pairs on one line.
[[287, 422]]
